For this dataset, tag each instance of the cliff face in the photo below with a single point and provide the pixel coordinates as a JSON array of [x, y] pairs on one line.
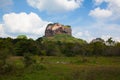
[[56, 28]]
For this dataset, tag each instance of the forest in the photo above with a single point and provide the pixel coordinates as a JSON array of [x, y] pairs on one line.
[[23, 59], [57, 46]]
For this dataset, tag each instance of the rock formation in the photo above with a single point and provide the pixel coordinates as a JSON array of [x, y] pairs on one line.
[[56, 28], [97, 40]]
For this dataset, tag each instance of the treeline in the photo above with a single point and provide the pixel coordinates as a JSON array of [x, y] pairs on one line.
[[29, 51], [23, 46]]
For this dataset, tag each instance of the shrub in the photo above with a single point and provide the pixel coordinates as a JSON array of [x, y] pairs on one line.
[[38, 67], [28, 60]]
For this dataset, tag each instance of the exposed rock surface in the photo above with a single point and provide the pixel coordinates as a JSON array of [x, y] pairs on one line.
[[56, 28], [97, 40]]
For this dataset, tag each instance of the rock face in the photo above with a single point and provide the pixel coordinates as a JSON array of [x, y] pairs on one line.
[[97, 40], [56, 28]]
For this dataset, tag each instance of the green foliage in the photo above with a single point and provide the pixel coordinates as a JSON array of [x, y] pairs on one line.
[[64, 38], [4, 55], [26, 46], [68, 68], [29, 65], [67, 26], [38, 67], [110, 42], [58, 45], [6, 69], [28, 60], [21, 37], [98, 48]]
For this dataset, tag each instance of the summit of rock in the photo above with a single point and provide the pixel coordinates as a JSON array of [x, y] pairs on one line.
[[56, 28]]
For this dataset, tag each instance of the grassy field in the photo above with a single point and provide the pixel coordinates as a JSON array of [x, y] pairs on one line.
[[66, 68]]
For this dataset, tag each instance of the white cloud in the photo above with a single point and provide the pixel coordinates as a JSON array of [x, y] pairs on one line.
[[113, 6], [106, 37], [98, 2], [107, 16], [2, 33], [78, 34], [55, 5], [105, 30], [100, 13], [30, 24], [82, 34], [1, 30]]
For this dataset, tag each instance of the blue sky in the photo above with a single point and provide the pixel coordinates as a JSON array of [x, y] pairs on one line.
[[89, 18]]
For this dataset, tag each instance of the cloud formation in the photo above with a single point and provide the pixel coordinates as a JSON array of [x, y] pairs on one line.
[[82, 33], [22, 23], [100, 13], [55, 5], [1, 30], [107, 19], [112, 9]]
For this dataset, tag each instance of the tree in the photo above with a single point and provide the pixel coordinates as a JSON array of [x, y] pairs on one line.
[[113, 50], [6, 49], [98, 48], [21, 37], [26, 46], [51, 48], [110, 42]]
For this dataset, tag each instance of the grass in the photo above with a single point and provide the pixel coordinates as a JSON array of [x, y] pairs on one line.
[[64, 38], [70, 68]]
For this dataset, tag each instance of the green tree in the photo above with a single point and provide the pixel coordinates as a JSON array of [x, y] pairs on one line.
[[6, 46], [6, 50], [26, 46], [21, 37], [110, 42], [98, 48]]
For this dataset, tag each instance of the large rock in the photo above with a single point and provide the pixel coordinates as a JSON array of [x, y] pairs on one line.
[[97, 40], [56, 28]]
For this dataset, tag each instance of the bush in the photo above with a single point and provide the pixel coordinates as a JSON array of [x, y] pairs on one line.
[[38, 67], [7, 68], [28, 60]]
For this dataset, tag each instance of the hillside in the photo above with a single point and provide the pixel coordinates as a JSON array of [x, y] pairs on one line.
[[64, 38]]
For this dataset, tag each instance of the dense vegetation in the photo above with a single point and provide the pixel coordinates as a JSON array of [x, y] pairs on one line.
[[59, 45], [23, 58], [63, 68]]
